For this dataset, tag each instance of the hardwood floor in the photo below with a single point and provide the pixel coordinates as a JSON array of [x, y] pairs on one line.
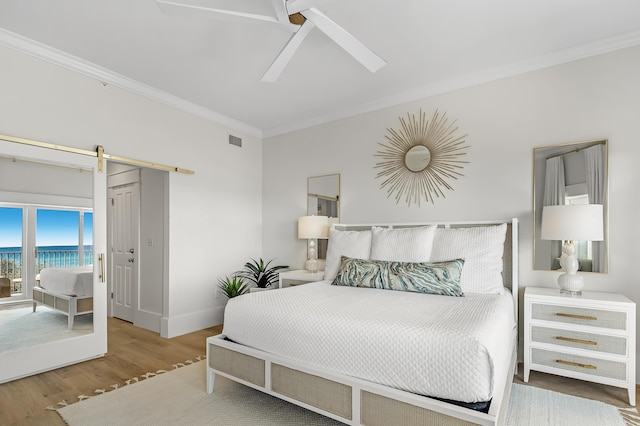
[[132, 352], [617, 397]]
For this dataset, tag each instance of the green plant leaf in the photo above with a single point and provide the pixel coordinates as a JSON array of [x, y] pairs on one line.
[[259, 272], [232, 286]]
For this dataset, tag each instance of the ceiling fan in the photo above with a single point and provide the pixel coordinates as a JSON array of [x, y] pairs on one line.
[[297, 16]]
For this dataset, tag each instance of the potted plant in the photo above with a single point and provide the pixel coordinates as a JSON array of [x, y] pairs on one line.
[[260, 273], [232, 286]]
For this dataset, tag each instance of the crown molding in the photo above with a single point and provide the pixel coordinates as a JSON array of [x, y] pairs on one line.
[[599, 47], [105, 76], [57, 57]]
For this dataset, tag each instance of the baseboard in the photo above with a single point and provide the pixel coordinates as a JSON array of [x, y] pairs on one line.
[[193, 321], [149, 320]]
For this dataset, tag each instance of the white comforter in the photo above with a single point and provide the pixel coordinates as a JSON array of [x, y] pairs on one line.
[[440, 346], [69, 281]]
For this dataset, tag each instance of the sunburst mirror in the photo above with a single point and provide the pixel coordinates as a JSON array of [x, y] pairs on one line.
[[420, 158]]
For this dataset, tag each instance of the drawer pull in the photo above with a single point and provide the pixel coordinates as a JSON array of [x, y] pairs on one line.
[[582, 317], [569, 339], [576, 364]]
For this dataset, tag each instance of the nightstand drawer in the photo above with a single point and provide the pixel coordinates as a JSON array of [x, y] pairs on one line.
[[576, 339], [580, 364], [580, 316]]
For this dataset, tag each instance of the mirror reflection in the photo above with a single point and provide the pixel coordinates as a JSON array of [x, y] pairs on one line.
[[46, 248], [574, 173], [323, 199], [417, 158]]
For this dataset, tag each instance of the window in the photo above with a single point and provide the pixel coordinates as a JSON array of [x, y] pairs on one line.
[[11, 247], [59, 237], [583, 248]]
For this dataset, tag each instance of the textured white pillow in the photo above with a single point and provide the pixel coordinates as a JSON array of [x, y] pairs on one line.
[[355, 244], [402, 245], [481, 248]]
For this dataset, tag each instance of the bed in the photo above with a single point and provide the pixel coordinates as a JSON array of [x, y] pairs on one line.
[[374, 356], [67, 290]]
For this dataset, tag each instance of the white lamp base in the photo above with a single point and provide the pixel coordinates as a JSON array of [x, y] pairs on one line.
[[311, 266], [571, 284]]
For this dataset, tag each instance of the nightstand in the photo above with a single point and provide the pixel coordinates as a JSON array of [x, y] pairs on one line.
[[589, 337], [300, 276]]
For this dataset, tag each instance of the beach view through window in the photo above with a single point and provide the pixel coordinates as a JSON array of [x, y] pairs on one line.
[[63, 239]]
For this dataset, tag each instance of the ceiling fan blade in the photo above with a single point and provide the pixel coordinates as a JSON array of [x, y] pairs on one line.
[[280, 7], [344, 39], [190, 10], [295, 6], [287, 52]]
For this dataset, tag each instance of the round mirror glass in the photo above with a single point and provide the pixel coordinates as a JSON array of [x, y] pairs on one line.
[[417, 158]]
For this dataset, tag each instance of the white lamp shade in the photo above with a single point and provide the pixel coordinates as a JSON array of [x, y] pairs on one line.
[[578, 222], [312, 227]]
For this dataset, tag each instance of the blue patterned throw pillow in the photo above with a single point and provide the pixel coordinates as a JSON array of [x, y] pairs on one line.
[[423, 277]]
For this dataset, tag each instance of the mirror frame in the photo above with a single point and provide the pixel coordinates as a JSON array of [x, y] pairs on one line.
[[445, 161], [548, 151], [323, 196]]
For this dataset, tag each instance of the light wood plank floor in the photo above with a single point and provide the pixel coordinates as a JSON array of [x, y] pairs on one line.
[[617, 397], [134, 351]]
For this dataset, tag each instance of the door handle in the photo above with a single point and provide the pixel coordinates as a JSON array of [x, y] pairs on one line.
[[131, 259], [101, 259], [131, 251]]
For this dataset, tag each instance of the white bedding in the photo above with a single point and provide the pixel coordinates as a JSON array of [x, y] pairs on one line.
[[70, 281], [439, 346]]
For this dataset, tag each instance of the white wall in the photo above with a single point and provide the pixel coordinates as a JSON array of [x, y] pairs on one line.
[[152, 224], [31, 182], [214, 215], [594, 98]]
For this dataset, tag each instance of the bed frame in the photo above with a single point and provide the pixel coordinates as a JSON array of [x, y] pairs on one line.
[[359, 402], [69, 305]]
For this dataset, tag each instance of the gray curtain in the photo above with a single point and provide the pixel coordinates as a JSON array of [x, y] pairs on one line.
[[596, 190], [554, 191]]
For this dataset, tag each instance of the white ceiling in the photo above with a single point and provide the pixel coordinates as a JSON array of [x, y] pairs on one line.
[[213, 68]]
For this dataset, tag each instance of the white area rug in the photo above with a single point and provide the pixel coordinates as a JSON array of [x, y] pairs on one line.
[[179, 398], [21, 327]]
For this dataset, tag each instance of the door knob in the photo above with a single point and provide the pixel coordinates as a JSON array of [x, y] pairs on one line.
[[131, 259], [130, 250]]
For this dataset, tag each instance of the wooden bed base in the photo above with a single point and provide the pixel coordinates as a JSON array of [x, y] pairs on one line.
[[359, 402], [69, 305]]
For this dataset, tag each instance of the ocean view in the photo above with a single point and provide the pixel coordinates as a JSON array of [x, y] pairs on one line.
[[49, 256]]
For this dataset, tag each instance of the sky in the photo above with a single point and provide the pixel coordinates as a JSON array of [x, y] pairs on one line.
[[53, 227]]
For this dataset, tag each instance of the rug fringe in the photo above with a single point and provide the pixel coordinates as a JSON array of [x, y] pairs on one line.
[[133, 380], [630, 416]]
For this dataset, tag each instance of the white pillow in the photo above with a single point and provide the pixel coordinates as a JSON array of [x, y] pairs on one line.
[[355, 244], [402, 245], [481, 248]]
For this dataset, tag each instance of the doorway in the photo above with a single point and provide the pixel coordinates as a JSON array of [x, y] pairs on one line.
[[137, 223]]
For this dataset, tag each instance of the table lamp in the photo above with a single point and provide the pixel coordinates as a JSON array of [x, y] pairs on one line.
[[313, 228], [569, 223]]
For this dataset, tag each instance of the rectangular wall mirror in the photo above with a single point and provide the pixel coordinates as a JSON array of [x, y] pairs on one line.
[[573, 173], [323, 199]]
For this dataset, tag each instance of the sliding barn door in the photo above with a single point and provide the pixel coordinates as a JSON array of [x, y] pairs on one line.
[[45, 356]]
